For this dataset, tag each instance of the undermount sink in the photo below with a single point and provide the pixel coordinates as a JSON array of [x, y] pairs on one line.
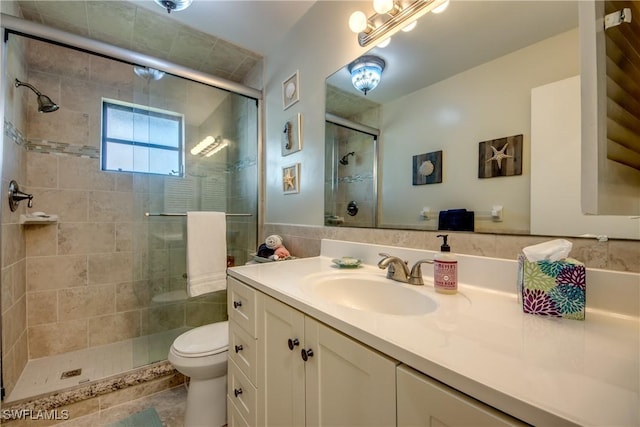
[[370, 293]]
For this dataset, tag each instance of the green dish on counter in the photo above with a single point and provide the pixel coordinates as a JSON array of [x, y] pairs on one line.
[[347, 262]]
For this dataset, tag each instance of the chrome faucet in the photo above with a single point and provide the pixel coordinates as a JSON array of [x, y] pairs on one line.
[[398, 270]]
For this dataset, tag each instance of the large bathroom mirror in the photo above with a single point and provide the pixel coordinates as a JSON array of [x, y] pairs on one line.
[[456, 93]]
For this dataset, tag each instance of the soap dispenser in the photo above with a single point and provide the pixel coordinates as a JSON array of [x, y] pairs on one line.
[[445, 269]]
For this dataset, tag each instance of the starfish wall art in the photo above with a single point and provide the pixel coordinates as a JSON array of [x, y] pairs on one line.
[[500, 157]]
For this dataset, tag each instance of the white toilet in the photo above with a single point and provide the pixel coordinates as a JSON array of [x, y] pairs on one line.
[[201, 354]]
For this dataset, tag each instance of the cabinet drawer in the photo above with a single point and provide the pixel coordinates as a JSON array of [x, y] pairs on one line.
[[241, 305], [242, 394], [243, 351], [234, 419]]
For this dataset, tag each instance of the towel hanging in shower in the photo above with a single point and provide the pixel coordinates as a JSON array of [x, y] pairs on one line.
[[206, 252]]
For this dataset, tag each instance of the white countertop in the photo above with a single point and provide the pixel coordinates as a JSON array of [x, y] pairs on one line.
[[544, 371]]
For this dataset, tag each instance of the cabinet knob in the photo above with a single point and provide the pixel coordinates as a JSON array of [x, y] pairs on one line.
[[238, 348], [306, 354], [237, 391], [237, 304], [293, 343]]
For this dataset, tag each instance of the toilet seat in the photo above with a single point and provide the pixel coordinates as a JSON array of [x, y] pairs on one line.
[[203, 341]]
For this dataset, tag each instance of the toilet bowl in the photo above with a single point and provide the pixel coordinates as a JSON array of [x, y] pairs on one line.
[[201, 354]]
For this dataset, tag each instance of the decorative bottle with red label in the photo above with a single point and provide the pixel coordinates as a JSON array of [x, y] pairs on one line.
[[445, 269]]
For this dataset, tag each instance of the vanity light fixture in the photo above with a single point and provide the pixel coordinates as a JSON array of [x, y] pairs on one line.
[[175, 5], [391, 16], [366, 72]]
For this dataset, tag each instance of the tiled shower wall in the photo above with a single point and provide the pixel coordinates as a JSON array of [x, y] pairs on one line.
[[14, 299], [89, 280]]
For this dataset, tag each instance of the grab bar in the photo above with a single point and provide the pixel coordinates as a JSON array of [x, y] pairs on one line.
[[184, 214]]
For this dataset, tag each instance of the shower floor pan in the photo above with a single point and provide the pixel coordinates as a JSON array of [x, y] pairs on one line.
[[46, 375]]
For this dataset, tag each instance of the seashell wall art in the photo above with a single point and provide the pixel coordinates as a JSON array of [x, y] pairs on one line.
[[427, 168]]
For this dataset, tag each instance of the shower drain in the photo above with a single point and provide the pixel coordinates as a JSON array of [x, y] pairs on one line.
[[71, 373]]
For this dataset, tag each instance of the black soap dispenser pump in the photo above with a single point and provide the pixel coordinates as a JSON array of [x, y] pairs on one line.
[[445, 269]]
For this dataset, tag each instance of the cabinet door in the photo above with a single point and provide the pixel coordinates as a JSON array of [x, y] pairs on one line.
[[347, 384], [423, 401], [281, 401]]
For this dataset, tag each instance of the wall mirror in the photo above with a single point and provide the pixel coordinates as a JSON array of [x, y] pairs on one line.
[[457, 85]]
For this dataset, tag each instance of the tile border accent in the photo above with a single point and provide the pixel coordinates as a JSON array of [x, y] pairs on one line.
[[87, 391]]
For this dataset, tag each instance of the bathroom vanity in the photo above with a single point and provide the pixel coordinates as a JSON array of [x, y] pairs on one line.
[[314, 344]]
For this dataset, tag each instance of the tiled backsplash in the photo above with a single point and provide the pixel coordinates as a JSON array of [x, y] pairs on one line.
[[304, 241]]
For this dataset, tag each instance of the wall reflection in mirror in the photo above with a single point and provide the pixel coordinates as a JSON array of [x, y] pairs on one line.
[[461, 79]]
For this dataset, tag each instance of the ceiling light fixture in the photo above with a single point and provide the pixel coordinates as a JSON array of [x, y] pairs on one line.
[[175, 5], [366, 72], [391, 16]]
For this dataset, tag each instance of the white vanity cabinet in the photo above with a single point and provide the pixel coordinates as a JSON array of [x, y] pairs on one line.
[[288, 369], [341, 382], [242, 384], [423, 401]]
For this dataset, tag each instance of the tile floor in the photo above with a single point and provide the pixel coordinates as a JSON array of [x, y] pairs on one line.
[[170, 405], [43, 376]]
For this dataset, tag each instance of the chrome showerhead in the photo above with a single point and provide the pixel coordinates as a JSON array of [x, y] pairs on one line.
[[148, 73], [45, 104], [345, 159]]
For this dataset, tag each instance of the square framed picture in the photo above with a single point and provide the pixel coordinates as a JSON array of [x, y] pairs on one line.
[[427, 168], [291, 90], [500, 157], [291, 179], [291, 136]]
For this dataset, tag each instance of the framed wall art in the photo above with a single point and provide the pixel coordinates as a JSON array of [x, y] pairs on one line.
[[290, 91], [427, 168], [500, 157], [291, 179], [291, 136]]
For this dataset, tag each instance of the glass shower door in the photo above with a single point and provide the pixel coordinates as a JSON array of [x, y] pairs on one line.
[[222, 177], [350, 177]]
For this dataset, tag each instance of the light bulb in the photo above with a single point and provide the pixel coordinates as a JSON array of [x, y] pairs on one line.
[[384, 43], [410, 26], [358, 22], [441, 8], [382, 6]]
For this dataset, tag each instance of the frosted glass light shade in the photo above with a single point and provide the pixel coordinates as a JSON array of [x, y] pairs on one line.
[[174, 5], [366, 72], [441, 8], [410, 26], [382, 6], [358, 22], [384, 43]]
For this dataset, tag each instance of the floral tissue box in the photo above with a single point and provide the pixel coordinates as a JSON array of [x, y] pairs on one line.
[[552, 288]]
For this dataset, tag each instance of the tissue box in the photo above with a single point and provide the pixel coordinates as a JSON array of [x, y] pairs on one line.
[[552, 288]]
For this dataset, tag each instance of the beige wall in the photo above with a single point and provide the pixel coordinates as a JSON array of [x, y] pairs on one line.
[[487, 102]]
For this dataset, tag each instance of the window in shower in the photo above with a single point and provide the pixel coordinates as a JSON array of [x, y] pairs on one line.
[[136, 138]]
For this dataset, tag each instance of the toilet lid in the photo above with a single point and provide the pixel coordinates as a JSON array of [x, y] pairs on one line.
[[203, 341]]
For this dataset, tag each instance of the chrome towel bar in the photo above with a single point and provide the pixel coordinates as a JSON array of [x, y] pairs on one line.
[[184, 214]]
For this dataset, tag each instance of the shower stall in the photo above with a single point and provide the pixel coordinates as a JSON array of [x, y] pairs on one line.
[[350, 173], [100, 287]]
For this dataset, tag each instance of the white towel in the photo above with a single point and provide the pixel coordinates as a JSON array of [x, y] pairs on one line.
[[206, 252]]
